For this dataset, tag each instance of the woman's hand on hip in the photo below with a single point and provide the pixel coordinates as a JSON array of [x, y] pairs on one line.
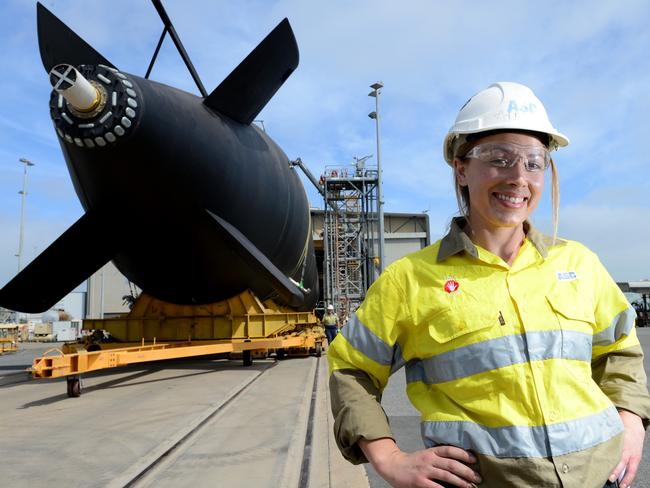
[[421, 469], [633, 437]]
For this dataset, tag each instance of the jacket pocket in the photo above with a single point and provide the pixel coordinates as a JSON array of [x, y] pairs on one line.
[[572, 309], [459, 361], [449, 324], [464, 317]]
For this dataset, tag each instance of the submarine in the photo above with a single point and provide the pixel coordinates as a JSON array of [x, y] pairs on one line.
[[188, 198]]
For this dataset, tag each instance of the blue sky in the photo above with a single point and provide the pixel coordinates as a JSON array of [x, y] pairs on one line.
[[587, 61]]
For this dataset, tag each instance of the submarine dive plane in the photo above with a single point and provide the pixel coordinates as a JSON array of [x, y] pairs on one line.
[[190, 200]]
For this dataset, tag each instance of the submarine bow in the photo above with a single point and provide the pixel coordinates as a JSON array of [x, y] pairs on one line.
[[190, 200]]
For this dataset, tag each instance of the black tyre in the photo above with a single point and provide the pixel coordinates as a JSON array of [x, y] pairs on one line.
[[280, 353], [247, 357], [74, 387]]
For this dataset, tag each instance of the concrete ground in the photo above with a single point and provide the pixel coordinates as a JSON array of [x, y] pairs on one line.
[[179, 416], [405, 421]]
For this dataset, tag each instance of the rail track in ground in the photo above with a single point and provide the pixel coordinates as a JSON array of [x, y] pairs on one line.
[[158, 469]]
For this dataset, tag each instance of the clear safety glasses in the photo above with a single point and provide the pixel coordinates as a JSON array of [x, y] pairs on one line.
[[504, 155]]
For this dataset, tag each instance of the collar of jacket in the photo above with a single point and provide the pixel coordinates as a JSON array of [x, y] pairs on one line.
[[457, 240]]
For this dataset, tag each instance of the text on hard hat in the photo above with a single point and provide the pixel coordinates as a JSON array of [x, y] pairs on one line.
[[513, 106]]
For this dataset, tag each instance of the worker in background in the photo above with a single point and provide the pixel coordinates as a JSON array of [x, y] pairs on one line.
[[520, 350], [331, 323]]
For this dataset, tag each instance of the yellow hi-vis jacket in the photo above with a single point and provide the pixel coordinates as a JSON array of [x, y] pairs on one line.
[[330, 320], [498, 358]]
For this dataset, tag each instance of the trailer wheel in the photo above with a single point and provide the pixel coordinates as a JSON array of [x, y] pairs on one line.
[[318, 350], [247, 356], [74, 386], [280, 353]]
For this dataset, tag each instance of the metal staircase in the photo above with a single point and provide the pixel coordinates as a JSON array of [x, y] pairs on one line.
[[350, 235]]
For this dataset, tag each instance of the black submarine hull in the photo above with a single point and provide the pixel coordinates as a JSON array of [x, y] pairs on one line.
[[163, 186], [190, 200]]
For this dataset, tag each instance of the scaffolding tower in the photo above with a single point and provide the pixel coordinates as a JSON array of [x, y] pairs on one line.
[[350, 235]]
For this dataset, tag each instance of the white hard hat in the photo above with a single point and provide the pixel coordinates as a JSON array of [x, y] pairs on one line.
[[330, 307], [503, 105]]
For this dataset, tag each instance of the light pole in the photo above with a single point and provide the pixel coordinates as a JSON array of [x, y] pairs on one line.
[[23, 192], [380, 193]]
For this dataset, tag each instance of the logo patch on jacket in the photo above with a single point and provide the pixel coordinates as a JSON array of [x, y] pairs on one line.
[[566, 276], [451, 286]]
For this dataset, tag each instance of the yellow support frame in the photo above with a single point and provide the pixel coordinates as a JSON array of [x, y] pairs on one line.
[[55, 363], [239, 325], [241, 317]]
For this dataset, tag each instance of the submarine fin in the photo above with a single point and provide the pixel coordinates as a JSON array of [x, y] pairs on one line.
[[245, 91], [259, 262], [60, 44], [80, 251]]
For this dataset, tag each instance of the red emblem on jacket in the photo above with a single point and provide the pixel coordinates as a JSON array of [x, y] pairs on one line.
[[451, 286]]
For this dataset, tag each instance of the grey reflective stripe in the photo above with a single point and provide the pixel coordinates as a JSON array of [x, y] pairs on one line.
[[520, 441], [365, 341], [621, 326], [499, 353]]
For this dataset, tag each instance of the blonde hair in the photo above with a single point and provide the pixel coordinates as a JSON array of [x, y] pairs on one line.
[[462, 197], [555, 199]]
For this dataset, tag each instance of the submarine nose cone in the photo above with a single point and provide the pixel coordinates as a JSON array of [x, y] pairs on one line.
[[94, 106], [75, 88]]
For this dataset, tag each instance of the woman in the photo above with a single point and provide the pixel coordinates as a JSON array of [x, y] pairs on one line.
[[520, 350]]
